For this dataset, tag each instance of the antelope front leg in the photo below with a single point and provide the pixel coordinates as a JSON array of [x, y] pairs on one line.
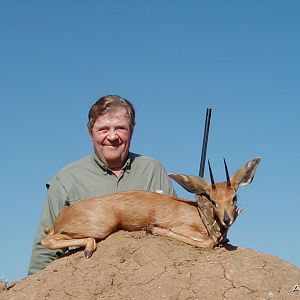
[[60, 241], [188, 236], [205, 210]]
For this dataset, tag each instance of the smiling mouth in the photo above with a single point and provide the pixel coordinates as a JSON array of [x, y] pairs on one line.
[[113, 146]]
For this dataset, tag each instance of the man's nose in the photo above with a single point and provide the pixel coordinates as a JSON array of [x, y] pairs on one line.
[[112, 135]]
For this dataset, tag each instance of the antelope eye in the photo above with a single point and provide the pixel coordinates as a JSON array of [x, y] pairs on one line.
[[234, 200]]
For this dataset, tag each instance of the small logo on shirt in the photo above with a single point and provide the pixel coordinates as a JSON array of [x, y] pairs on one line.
[[159, 191]]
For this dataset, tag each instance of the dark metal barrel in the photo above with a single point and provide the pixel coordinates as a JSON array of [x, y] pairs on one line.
[[205, 141]]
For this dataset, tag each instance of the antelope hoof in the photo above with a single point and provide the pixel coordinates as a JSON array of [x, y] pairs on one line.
[[222, 243], [225, 242], [88, 253], [150, 229]]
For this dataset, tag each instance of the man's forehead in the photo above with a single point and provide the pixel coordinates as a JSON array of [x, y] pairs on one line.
[[113, 117]]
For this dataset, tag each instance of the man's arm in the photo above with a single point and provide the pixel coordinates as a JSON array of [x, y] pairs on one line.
[[165, 181], [54, 203]]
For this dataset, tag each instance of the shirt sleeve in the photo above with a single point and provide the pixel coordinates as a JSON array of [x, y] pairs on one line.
[[54, 203], [165, 181]]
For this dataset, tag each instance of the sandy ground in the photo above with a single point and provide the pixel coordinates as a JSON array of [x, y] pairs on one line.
[[140, 266]]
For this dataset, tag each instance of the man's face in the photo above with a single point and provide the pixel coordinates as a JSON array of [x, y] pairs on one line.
[[111, 135]]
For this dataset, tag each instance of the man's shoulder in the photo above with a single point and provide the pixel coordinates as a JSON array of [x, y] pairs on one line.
[[83, 162], [73, 167]]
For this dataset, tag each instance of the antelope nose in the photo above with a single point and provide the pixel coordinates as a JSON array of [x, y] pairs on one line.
[[226, 219]]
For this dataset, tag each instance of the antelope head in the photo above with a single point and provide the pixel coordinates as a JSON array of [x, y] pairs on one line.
[[222, 195]]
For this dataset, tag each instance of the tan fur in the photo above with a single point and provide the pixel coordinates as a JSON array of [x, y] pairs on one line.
[[87, 221]]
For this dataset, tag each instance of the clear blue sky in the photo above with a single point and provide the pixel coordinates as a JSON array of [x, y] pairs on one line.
[[172, 59]]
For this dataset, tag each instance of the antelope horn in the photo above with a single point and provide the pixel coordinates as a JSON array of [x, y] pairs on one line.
[[211, 177], [227, 174]]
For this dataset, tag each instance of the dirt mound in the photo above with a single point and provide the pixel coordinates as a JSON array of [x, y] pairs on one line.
[[140, 266]]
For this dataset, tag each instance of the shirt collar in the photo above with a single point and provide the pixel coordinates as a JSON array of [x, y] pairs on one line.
[[126, 167]]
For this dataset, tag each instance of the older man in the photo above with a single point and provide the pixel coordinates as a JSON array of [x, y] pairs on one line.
[[111, 168]]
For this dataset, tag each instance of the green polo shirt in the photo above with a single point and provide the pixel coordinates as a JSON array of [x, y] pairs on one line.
[[87, 178]]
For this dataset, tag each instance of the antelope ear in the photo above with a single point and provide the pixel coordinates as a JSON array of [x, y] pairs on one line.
[[193, 184], [245, 174]]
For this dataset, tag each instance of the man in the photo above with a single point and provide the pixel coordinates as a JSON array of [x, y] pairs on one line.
[[112, 168]]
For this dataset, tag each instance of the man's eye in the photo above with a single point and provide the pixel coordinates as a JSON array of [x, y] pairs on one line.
[[122, 129], [102, 130]]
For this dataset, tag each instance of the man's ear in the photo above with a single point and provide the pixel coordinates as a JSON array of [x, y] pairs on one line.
[[89, 130]]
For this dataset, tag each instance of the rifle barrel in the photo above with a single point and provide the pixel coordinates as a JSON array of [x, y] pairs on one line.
[[205, 141]]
